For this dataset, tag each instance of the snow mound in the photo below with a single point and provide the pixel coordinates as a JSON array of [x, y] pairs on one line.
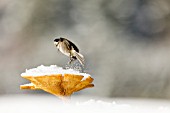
[[49, 70], [50, 104]]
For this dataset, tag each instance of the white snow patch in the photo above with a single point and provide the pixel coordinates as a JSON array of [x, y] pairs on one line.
[[49, 70], [29, 84], [51, 104]]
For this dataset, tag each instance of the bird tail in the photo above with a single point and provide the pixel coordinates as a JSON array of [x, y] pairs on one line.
[[80, 58]]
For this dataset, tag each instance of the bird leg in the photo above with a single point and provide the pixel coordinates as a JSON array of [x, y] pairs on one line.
[[71, 59]]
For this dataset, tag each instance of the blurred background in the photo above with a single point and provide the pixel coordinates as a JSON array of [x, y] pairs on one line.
[[126, 44]]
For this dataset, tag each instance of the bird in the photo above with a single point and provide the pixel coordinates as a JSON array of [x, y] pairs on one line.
[[69, 49]]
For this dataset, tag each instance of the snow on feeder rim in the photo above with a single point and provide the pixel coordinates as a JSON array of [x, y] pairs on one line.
[[51, 70], [56, 80]]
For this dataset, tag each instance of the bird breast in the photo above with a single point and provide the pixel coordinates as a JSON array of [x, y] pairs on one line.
[[63, 48]]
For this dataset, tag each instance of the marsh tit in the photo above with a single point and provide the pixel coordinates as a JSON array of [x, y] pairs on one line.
[[69, 49]]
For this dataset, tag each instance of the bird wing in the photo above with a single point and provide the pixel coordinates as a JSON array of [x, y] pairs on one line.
[[73, 45], [67, 44]]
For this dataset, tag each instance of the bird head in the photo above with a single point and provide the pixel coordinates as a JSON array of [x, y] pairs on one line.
[[58, 40]]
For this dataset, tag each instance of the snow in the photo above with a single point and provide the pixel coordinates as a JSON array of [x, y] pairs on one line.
[[49, 70], [51, 104], [29, 84]]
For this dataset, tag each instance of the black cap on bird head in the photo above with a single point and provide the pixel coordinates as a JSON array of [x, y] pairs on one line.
[[56, 40], [59, 39]]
